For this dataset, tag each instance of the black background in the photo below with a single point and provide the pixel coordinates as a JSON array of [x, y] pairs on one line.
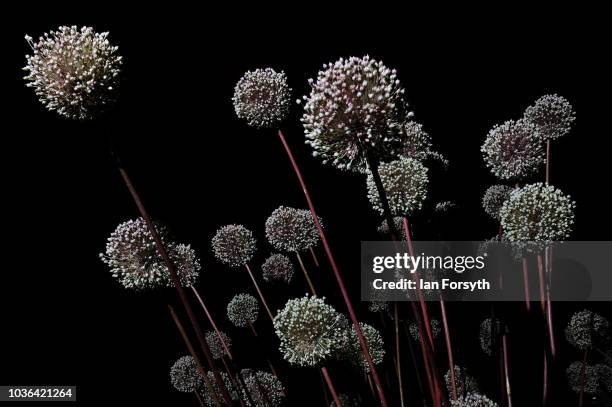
[[197, 167]]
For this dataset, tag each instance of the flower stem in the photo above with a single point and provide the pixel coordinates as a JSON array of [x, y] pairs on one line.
[[199, 398], [397, 355], [306, 275], [194, 355], [177, 283], [526, 284], [212, 322], [331, 387], [314, 256], [261, 296], [506, 369], [582, 377], [449, 348], [547, 178], [340, 281]]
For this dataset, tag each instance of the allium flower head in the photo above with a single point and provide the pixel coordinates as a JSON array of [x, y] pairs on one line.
[[277, 267], [405, 182], [473, 400], [493, 199], [376, 346], [464, 381], [243, 310], [537, 213], [417, 143], [434, 325], [216, 346], [587, 329], [553, 116], [265, 389], [73, 71], [234, 245], [262, 97], [398, 222], [310, 331], [596, 377], [292, 230], [486, 336], [132, 257], [513, 150], [184, 375], [355, 106]]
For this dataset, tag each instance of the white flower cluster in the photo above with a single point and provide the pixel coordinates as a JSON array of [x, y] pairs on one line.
[[587, 329], [486, 337], [444, 206], [537, 213], [405, 182], [73, 71], [131, 255], [310, 331], [473, 400], [216, 346], [434, 325], [355, 106], [277, 267], [417, 143], [376, 346], [264, 389], [243, 310], [184, 375], [398, 222], [292, 230], [553, 116], [464, 381], [262, 97], [596, 377], [494, 198], [378, 306], [513, 150], [233, 245]]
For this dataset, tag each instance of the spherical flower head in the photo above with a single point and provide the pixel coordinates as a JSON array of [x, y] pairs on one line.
[[434, 324], [473, 400], [353, 354], [398, 222], [264, 388], [493, 199], [292, 230], [208, 398], [216, 346], [234, 245], [355, 108], [591, 381], [486, 336], [277, 267], [132, 256], [417, 143], [243, 310], [537, 213], [405, 182], [184, 375], [587, 329], [262, 97], [74, 72], [513, 150], [553, 116], [310, 331], [465, 383], [444, 206]]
